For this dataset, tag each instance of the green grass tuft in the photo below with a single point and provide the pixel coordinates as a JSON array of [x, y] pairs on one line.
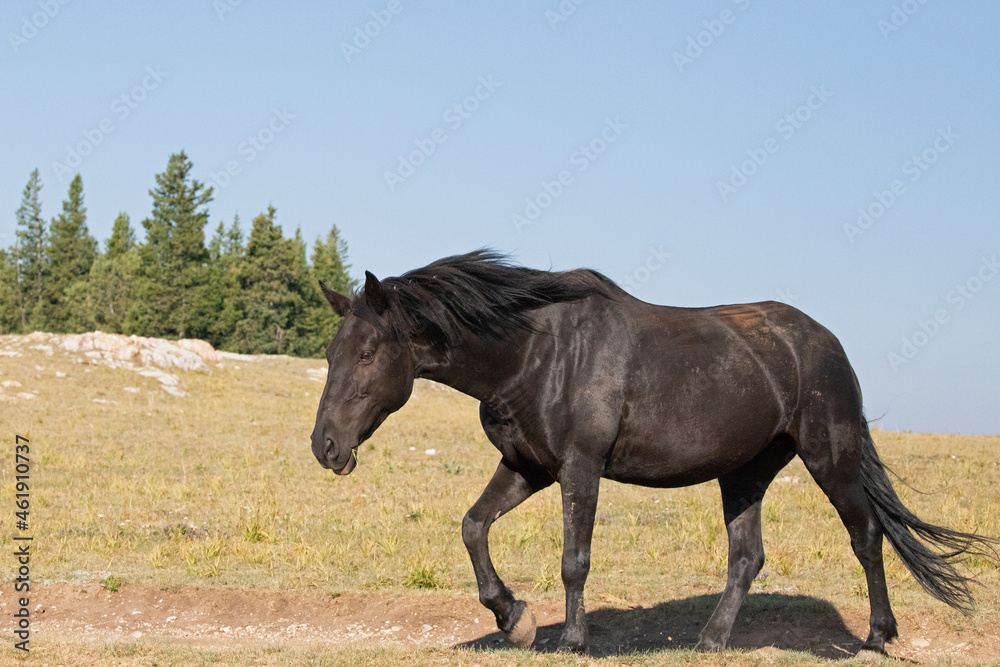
[[112, 583]]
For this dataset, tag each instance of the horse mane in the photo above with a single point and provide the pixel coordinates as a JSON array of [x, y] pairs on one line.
[[479, 293]]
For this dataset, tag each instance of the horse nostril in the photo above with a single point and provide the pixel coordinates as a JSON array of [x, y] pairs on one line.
[[329, 447]]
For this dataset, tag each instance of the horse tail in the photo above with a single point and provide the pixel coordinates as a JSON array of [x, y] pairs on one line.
[[934, 569]]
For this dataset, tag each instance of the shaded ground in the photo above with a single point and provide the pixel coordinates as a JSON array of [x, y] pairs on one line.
[[218, 618]]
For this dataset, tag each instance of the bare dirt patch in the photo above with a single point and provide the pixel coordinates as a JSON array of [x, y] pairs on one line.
[[214, 618]]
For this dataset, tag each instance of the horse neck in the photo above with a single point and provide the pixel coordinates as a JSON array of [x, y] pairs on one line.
[[479, 368]]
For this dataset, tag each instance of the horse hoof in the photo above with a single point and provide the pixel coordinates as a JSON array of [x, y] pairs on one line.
[[575, 649], [523, 633], [573, 642]]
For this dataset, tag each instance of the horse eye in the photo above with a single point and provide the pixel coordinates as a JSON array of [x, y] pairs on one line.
[[367, 356]]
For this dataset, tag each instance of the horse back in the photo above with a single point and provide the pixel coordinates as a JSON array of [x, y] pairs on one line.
[[707, 389]]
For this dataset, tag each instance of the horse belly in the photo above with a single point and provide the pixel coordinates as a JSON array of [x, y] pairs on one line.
[[685, 442]]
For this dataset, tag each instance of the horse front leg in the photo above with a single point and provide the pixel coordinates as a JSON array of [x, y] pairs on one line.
[[579, 497], [507, 489]]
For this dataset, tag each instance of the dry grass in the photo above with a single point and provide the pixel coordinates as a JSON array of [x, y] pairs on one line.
[[220, 488], [146, 653]]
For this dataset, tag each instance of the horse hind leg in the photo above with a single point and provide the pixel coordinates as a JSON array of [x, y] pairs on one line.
[[832, 454], [742, 493]]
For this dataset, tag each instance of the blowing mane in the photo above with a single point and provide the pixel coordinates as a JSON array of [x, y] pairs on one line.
[[479, 293]]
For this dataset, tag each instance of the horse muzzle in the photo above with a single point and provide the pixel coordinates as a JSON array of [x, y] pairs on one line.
[[327, 455], [348, 468]]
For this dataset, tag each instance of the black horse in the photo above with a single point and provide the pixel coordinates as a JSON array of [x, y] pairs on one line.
[[579, 380]]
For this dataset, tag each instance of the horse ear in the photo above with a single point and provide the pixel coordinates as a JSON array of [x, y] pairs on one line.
[[374, 294], [340, 304]]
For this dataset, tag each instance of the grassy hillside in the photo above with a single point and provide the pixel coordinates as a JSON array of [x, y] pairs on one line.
[[219, 488]]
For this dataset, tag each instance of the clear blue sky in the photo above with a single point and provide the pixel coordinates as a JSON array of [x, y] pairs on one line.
[[618, 121]]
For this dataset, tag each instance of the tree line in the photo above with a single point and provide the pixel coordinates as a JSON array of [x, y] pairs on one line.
[[253, 295]]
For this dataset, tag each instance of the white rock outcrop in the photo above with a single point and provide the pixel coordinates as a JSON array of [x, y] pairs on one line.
[[118, 350], [149, 357]]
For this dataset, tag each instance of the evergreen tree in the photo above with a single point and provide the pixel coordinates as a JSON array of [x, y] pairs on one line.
[[329, 265], [215, 245], [171, 300], [30, 251], [271, 281], [111, 283], [122, 239], [10, 311], [70, 251], [305, 342], [225, 253], [233, 243], [261, 296], [227, 244]]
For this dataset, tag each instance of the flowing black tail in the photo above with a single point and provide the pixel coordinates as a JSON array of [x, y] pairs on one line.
[[934, 570]]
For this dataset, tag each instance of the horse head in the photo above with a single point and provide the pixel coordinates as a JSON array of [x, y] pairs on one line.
[[370, 377]]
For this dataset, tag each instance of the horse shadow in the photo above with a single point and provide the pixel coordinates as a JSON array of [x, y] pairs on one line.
[[786, 622]]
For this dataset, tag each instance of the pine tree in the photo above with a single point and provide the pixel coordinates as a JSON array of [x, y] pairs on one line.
[[329, 265], [29, 253], [70, 250], [122, 239], [215, 245], [227, 244], [233, 242], [10, 311], [257, 297], [304, 342], [271, 290], [111, 283], [225, 253], [174, 258]]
